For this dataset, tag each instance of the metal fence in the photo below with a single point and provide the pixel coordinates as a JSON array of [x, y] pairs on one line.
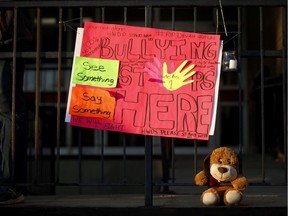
[[55, 25]]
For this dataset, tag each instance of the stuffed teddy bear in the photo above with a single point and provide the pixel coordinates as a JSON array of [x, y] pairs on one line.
[[222, 176]]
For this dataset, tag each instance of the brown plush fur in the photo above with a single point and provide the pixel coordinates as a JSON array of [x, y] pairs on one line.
[[222, 161]]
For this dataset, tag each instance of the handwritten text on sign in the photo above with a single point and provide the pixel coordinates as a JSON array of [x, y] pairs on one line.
[[96, 72], [91, 102], [166, 79]]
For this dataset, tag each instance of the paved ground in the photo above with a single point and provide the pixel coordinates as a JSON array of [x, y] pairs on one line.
[[255, 196], [261, 198]]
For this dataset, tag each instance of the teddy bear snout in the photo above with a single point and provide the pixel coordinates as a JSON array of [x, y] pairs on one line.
[[222, 169]]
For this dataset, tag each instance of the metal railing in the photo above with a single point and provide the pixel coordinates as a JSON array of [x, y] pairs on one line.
[[60, 55]]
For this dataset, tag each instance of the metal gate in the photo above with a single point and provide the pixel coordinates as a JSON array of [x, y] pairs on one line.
[[244, 27]]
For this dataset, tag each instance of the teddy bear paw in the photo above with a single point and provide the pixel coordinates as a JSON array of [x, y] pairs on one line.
[[210, 199], [233, 197]]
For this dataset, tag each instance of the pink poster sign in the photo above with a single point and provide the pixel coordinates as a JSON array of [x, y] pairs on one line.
[[166, 79]]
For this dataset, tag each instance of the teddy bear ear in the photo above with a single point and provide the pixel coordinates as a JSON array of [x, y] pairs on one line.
[[207, 164]]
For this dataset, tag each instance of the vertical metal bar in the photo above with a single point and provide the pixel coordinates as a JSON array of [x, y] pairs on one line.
[[148, 16], [194, 19], [285, 71], [148, 172], [14, 93], [80, 152], [102, 132], [37, 97], [81, 17], [103, 14], [124, 177], [173, 18], [102, 157], [173, 160], [195, 157], [124, 136], [195, 142], [262, 93], [240, 84], [148, 139], [125, 15], [79, 161], [59, 87], [172, 139], [285, 82]]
